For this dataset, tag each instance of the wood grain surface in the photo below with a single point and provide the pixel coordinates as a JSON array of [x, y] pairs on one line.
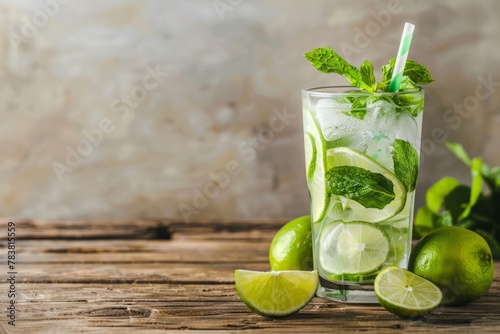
[[163, 275]]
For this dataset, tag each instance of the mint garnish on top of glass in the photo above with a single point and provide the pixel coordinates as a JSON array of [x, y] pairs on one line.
[[328, 61]]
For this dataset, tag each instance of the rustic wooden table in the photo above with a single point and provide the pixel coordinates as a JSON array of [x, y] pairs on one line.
[[157, 275]]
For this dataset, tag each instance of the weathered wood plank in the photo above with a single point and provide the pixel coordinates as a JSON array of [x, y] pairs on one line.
[[135, 251], [221, 309], [119, 273], [129, 277], [142, 229]]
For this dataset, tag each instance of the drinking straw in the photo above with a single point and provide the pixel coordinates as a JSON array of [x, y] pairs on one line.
[[404, 48]]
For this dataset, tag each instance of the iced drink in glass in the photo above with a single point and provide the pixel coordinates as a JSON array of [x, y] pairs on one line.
[[362, 158]]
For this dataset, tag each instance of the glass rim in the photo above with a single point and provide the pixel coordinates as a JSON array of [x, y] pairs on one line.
[[320, 91]]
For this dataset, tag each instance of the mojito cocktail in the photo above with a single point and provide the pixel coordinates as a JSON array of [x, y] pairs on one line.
[[362, 158]]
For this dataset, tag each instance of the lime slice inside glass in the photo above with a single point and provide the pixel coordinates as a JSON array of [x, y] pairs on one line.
[[316, 178], [353, 278], [352, 248], [344, 156], [276, 293], [310, 154], [405, 294]]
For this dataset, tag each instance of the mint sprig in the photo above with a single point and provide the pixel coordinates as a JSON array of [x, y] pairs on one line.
[[328, 61], [448, 202]]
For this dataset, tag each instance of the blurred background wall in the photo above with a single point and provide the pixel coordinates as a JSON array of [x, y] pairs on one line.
[[166, 108]]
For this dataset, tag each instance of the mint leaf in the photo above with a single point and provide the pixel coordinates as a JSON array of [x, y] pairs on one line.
[[367, 75], [328, 61], [476, 188], [359, 114], [419, 74], [387, 70], [405, 159], [358, 106], [372, 190], [437, 193], [407, 84], [409, 103]]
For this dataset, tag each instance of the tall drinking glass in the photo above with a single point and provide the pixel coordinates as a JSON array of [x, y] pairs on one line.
[[362, 157]]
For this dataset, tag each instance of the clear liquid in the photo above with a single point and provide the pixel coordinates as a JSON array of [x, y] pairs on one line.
[[373, 136]]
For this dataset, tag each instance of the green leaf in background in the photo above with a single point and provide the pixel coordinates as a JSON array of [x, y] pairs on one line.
[[367, 74], [424, 222], [476, 188], [405, 159], [483, 213], [459, 152], [495, 175], [457, 200], [438, 191], [462, 205], [372, 190], [444, 219], [328, 61], [492, 177]]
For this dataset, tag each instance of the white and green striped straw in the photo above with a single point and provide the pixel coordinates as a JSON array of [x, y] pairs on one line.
[[404, 48]]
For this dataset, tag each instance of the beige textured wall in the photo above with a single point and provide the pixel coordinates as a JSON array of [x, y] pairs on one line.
[[171, 93]]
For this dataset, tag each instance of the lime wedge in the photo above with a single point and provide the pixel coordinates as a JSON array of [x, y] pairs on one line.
[[405, 294], [344, 156], [352, 248], [276, 293], [316, 181]]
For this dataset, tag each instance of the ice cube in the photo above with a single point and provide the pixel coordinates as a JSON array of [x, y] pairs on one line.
[[357, 140], [406, 128], [380, 149], [381, 115], [333, 120], [332, 104]]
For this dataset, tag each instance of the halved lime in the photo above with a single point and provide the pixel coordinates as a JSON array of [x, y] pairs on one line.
[[310, 154], [276, 293], [316, 182], [405, 294], [352, 248], [344, 156]]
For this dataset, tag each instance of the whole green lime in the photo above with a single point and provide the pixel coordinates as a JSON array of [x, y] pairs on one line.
[[291, 247], [457, 260]]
